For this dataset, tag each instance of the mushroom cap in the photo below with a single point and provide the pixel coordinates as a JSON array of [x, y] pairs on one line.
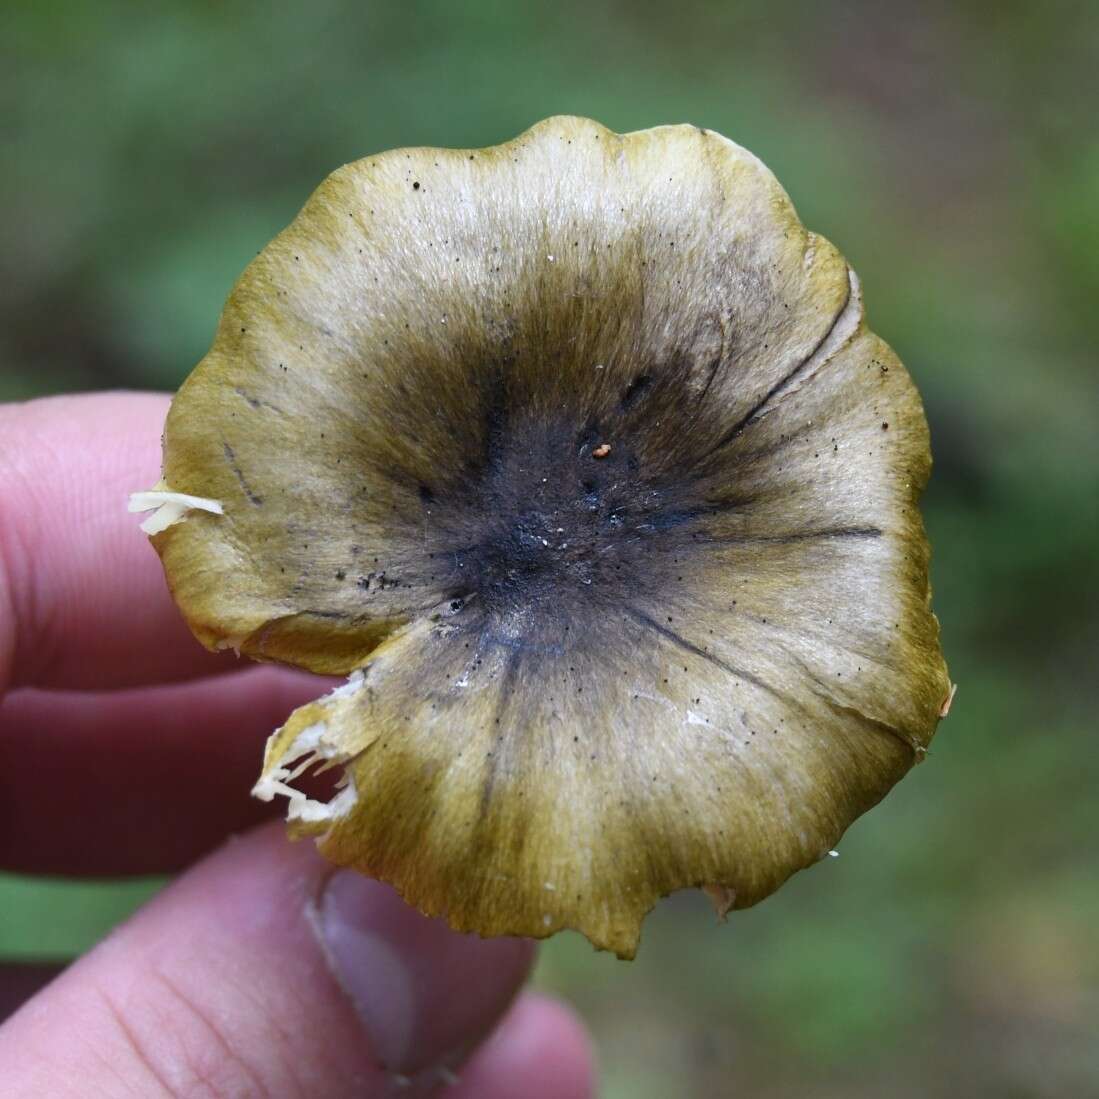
[[576, 453]]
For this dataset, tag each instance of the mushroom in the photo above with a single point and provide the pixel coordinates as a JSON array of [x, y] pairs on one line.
[[576, 455]]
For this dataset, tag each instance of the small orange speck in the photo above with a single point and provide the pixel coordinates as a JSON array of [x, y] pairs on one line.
[[601, 451]]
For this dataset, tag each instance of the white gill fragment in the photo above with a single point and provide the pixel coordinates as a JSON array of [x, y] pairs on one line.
[[944, 709], [354, 682], [278, 779], [304, 808], [169, 507], [317, 743], [309, 747]]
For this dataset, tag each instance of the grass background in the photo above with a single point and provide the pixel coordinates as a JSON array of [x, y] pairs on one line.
[[951, 151]]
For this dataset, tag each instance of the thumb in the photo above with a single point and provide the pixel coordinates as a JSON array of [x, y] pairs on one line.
[[263, 972]]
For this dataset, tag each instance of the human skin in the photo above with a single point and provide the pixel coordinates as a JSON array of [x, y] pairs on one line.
[[125, 748]]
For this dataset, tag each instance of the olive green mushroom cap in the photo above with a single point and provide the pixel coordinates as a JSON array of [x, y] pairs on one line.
[[577, 455]]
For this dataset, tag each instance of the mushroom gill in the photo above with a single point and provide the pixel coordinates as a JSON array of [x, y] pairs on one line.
[[577, 455]]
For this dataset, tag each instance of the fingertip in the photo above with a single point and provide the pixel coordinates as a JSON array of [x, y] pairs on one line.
[[83, 603], [541, 1050], [425, 993]]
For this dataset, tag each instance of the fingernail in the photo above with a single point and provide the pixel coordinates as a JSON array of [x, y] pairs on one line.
[[426, 995]]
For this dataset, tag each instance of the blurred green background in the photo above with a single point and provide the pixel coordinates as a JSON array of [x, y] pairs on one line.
[[951, 151]]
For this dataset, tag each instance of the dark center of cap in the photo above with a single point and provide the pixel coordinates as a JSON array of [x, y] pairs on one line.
[[563, 519]]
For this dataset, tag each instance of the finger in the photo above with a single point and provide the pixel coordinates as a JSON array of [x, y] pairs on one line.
[[139, 781], [539, 1051], [258, 973], [83, 601]]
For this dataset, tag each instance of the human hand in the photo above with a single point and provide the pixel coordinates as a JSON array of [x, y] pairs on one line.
[[127, 749]]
